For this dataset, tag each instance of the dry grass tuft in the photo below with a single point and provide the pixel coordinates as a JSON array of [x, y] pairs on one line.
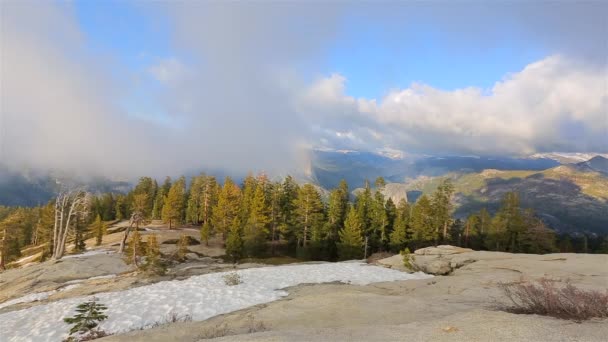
[[549, 297]]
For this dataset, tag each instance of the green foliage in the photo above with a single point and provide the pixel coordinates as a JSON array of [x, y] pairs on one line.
[[401, 233], [234, 242], [173, 203], [89, 315], [206, 232], [182, 247], [351, 239], [257, 226], [408, 259], [135, 250], [227, 208], [309, 215], [153, 264], [99, 230]]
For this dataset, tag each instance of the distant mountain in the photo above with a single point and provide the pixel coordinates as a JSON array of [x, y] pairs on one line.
[[567, 157], [597, 164], [329, 167], [567, 197]]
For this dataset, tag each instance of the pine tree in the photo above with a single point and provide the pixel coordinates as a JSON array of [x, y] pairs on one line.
[[173, 204], [182, 247], [234, 242], [153, 262], [227, 207], [206, 232], [9, 244], [79, 235], [135, 250], [336, 214], [159, 199], [422, 221], [442, 209], [287, 208], [257, 227], [146, 186], [193, 208], [309, 213], [120, 207], [88, 316], [99, 229], [351, 239], [208, 200], [378, 234], [363, 205], [401, 233]]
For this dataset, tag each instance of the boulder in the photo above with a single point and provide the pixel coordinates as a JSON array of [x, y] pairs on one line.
[[191, 241], [191, 256], [442, 250], [441, 260]]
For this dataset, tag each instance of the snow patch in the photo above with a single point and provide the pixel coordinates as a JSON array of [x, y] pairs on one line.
[[34, 297], [88, 254], [202, 297]]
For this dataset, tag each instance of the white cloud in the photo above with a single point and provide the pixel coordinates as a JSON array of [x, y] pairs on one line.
[[168, 71], [552, 104]]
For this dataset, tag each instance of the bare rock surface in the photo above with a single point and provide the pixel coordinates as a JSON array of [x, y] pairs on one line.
[[458, 307]]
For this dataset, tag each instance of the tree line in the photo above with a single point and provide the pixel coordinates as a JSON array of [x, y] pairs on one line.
[[260, 217]]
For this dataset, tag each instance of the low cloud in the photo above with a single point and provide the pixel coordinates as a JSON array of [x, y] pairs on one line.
[[243, 98], [551, 105]]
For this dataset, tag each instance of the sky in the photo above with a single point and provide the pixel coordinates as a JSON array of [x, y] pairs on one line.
[[127, 88]]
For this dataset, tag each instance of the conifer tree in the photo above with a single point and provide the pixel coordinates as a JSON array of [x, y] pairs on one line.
[[153, 263], [351, 239], [227, 207], [173, 204], [159, 199], [442, 209], [309, 212], [422, 221], [182, 247], [249, 185], [135, 250], [363, 205], [337, 208], [378, 233], [79, 232], [208, 200], [193, 208], [287, 204], [120, 207], [401, 233], [234, 242], [206, 233], [99, 229], [256, 229], [88, 316]]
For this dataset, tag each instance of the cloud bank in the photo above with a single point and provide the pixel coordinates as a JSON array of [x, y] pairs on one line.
[[551, 105], [246, 90]]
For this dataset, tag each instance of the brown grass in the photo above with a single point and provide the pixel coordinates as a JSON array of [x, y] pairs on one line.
[[549, 297]]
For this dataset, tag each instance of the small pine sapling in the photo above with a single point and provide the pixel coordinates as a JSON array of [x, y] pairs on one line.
[[153, 263], [89, 315], [182, 247]]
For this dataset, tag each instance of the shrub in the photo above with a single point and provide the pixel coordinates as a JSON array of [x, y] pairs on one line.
[[85, 322], [219, 330], [547, 297], [407, 258], [254, 326], [232, 279]]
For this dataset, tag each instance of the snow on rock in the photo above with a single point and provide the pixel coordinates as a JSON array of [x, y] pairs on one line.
[[88, 253], [201, 297], [34, 297]]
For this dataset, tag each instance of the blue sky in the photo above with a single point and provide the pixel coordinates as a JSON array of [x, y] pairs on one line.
[[224, 83], [375, 57]]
